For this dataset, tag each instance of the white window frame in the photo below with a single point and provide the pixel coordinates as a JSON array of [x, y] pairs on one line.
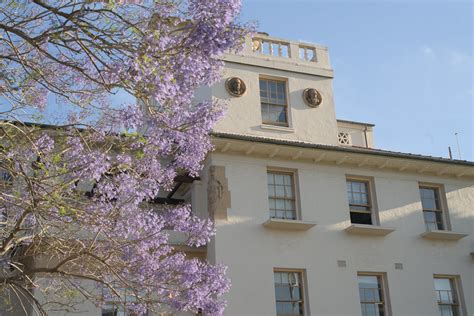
[[382, 277], [287, 124], [303, 285], [456, 289], [294, 175], [370, 182], [443, 205]]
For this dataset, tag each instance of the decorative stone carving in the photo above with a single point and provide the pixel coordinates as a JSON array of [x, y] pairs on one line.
[[312, 97], [218, 194], [235, 86], [344, 138]]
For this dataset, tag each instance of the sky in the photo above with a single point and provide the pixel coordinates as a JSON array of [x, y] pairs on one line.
[[405, 66]]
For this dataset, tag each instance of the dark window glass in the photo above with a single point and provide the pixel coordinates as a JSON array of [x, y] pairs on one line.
[[109, 312], [361, 218]]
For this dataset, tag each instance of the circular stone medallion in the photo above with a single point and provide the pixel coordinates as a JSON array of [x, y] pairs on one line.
[[312, 97], [235, 86]]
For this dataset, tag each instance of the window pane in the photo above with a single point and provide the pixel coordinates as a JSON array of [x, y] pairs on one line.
[[279, 191], [429, 198], [359, 208], [289, 205], [273, 101], [272, 203], [446, 310], [359, 202], [288, 293], [280, 204], [290, 215], [361, 218], [289, 191], [279, 178], [429, 204], [442, 284], [280, 195], [433, 220], [371, 296], [281, 87], [446, 296], [282, 293]]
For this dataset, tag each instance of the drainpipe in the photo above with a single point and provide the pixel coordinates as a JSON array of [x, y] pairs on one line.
[[365, 136]]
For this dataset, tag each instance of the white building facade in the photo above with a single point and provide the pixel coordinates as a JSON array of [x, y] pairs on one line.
[[311, 218]]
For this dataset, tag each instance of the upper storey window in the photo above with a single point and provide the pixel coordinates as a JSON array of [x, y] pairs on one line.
[[447, 296], [289, 293], [273, 102], [360, 204], [281, 195], [432, 208]]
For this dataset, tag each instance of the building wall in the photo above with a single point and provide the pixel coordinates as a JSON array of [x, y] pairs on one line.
[[252, 251], [360, 134], [315, 125]]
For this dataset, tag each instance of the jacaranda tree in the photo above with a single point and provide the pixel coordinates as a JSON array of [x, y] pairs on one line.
[[76, 219]]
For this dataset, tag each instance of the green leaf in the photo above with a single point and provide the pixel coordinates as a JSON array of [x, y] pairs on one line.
[[62, 211]]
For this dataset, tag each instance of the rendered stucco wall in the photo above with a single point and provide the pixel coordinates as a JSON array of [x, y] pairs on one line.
[[252, 251], [360, 135], [317, 125]]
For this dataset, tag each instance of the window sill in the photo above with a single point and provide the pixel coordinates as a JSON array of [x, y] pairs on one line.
[[278, 128], [443, 235], [370, 230], [288, 224]]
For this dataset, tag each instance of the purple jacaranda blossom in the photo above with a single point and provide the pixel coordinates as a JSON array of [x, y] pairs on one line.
[[83, 194]]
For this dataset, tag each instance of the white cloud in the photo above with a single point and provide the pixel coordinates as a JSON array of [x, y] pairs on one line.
[[458, 58], [428, 52]]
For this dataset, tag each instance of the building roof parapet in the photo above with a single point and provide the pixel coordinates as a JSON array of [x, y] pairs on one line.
[[265, 51]]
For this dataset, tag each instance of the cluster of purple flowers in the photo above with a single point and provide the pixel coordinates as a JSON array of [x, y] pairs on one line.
[[129, 153]]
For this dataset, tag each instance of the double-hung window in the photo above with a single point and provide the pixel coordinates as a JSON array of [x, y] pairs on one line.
[[281, 194], [289, 293], [432, 208], [273, 102], [372, 294], [360, 202], [447, 296]]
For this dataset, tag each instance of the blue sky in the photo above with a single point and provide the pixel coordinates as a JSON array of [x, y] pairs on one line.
[[406, 66]]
